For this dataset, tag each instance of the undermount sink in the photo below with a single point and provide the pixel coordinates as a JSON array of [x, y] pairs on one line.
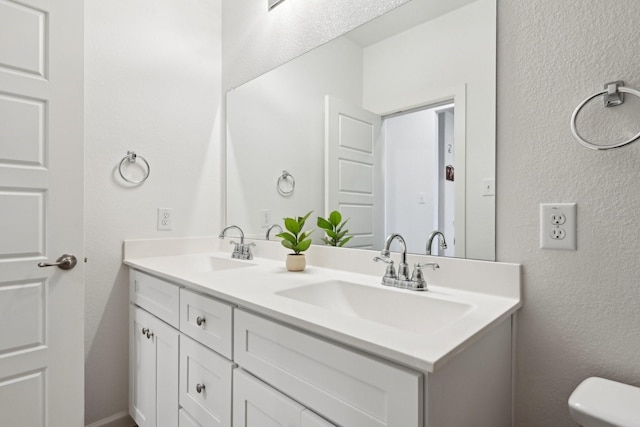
[[203, 263], [412, 312]]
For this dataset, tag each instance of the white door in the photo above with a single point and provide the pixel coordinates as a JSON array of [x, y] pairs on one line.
[[353, 170], [41, 213]]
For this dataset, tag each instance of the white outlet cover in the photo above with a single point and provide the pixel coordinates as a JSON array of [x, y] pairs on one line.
[[550, 230], [165, 219]]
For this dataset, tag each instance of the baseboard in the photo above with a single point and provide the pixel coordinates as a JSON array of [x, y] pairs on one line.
[[121, 419]]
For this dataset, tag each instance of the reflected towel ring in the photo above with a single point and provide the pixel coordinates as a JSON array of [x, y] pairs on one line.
[[286, 177], [131, 157], [612, 98]]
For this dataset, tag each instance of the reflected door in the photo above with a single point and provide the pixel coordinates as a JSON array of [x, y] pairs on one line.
[[353, 170]]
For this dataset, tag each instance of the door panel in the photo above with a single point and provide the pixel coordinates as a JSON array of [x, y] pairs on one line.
[[41, 184], [353, 175]]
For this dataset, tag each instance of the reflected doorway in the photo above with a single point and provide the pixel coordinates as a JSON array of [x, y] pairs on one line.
[[419, 175]]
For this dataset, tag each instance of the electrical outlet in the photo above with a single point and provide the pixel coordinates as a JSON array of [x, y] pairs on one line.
[[558, 227], [165, 219], [265, 218]]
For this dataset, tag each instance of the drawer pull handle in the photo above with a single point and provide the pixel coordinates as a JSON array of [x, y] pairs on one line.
[[200, 388], [200, 320]]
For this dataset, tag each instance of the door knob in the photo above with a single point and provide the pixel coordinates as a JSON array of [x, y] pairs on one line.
[[65, 262]]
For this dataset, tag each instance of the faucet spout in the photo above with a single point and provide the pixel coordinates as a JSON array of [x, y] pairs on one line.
[[442, 242], [403, 268], [271, 228], [224, 232], [403, 246]]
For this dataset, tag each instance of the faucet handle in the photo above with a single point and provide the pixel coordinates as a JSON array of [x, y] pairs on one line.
[[390, 273], [417, 278], [419, 266]]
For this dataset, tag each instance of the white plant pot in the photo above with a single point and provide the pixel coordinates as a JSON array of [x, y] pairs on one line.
[[296, 262]]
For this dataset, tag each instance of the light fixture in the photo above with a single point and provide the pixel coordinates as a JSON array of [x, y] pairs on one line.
[[273, 3]]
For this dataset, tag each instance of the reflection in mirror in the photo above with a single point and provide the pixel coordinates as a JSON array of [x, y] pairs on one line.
[[392, 125]]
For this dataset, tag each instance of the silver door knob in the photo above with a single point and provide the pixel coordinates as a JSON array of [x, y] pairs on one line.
[[65, 262]]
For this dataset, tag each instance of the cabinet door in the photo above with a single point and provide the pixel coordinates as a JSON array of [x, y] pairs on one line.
[[255, 404], [153, 379], [142, 366], [205, 384], [310, 419]]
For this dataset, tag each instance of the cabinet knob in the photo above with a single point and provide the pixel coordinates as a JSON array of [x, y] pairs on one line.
[[145, 331], [200, 320], [149, 334], [199, 388]]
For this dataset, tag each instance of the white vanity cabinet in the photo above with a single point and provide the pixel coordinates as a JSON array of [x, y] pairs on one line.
[[345, 386], [153, 379], [256, 404]]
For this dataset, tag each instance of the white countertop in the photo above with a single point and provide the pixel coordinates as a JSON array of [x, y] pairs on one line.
[[255, 288]]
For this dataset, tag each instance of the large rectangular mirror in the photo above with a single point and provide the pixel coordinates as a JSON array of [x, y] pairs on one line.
[[392, 124]]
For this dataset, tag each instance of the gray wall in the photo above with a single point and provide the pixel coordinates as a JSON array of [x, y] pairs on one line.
[[581, 315], [581, 312]]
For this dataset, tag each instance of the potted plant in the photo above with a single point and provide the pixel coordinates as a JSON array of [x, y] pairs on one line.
[[333, 227], [296, 240]]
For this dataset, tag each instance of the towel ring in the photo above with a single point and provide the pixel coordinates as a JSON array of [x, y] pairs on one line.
[[131, 157], [612, 98], [285, 177]]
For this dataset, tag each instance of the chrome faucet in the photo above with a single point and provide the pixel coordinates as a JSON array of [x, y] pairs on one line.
[[403, 268], [240, 250], [271, 228], [401, 278], [442, 242]]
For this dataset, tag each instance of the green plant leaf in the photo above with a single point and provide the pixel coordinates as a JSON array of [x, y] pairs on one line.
[[342, 234], [332, 234], [292, 225], [287, 244], [345, 241], [302, 220], [304, 245], [324, 224], [287, 236], [342, 225], [335, 217]]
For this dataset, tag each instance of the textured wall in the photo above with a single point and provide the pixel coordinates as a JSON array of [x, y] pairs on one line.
[[580, 316], [153, 86], [581, 312]]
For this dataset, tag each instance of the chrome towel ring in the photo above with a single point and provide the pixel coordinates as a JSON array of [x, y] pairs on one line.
[[283, 180], [613, 96], [131, 157]]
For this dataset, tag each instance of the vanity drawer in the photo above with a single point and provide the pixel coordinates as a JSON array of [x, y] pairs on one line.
[[344, 386], [186, 420], [156, 296], [207, 320], [205, 384]]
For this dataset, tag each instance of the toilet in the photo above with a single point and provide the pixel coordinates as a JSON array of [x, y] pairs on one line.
[[598, 402]]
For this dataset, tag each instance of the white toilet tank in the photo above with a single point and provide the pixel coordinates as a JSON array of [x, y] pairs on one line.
[[598, 402]]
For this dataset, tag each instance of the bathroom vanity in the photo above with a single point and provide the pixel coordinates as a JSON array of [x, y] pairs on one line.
[[222, 342]]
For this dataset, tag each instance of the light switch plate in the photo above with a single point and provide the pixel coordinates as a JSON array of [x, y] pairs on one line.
[[558, 227]]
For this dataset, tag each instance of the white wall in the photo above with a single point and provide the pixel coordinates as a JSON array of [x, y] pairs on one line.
[[153, 86], [581, 308], [410, 164], [450, 51]]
